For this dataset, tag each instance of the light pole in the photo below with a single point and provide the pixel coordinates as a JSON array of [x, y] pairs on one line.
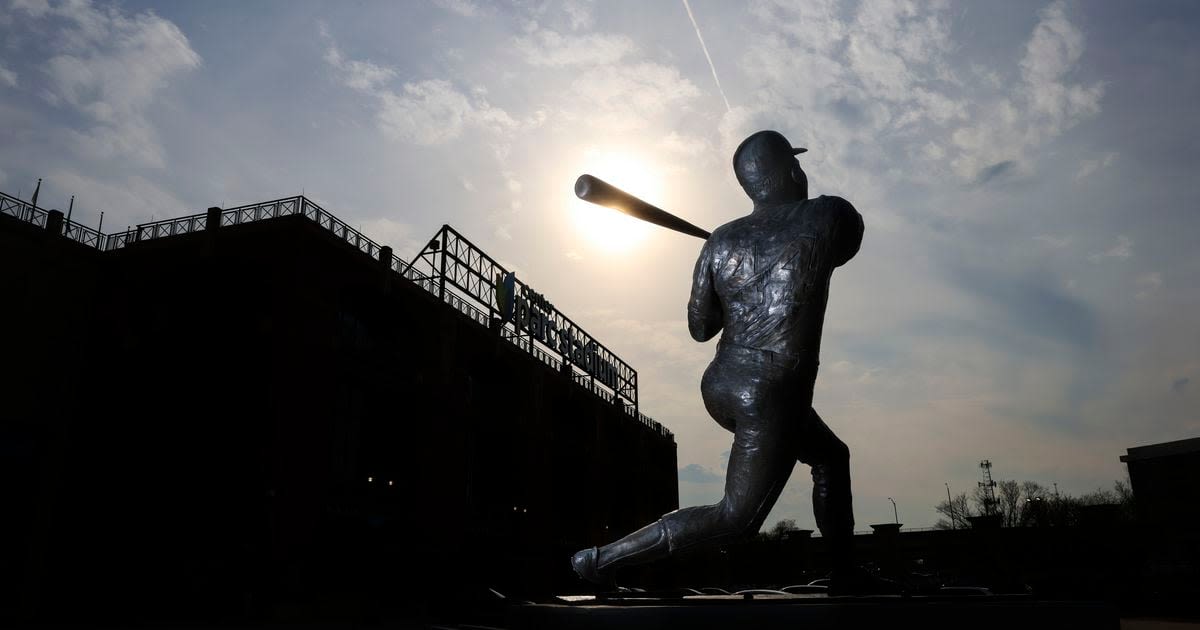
[[950, 504], [895, 512]]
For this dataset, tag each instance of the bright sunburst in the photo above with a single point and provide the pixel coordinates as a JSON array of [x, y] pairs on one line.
[[607, 229]]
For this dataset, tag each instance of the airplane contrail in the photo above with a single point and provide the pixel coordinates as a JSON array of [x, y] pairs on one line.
[[706, 55]]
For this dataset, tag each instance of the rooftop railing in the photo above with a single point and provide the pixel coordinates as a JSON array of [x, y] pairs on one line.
[[301, 205], [22, 210]]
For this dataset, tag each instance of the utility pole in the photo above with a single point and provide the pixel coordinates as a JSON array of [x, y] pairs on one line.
[[950, 502]]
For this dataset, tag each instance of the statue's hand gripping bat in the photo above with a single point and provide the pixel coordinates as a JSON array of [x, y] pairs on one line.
[[602, 193]]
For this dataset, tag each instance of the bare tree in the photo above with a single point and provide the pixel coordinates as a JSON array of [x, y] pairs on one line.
[[1124, 492], [956, 512], [1038, 506], [1030, 504], [1010, 502], [779, 529]]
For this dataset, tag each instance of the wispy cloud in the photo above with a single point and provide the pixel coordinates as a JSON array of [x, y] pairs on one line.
[[545, 47], [435, 111], [111, 69], [428, 112], [627, 96], [8, 77], [465, 8], [1120, 250], [1053, 242], [1042, 106], [695, 473], [359, 75], [1087, 167]]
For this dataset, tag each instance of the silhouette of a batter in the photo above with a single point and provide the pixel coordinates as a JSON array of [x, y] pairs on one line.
[[764, 279]]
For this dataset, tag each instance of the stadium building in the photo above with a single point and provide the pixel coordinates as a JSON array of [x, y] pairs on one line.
[[259, 405]]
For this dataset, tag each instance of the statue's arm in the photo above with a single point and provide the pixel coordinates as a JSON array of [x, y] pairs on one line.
[[704, 307], [847, 232]]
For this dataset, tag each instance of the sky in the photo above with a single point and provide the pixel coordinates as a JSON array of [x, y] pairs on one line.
[[1028, 282]]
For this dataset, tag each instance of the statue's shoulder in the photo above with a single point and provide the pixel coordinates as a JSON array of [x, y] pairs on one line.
[[833, 203], [837, 210], [728, 230]]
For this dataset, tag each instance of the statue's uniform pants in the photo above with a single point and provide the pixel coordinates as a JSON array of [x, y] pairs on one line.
[[765, 399]]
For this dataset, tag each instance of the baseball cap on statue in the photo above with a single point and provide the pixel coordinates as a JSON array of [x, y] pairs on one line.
[[761, 155]]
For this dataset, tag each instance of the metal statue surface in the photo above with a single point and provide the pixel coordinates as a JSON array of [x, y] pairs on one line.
[[764, 280]]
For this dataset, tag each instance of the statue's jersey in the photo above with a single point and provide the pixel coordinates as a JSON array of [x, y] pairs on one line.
[[764, 277]]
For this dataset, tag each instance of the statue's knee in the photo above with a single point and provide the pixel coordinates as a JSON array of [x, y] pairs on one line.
[[741, 522]]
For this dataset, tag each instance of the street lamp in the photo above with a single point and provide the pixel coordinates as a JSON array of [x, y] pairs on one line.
[[895, 512]]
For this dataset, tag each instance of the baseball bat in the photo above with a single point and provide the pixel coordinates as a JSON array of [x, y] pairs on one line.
[[602, 193]]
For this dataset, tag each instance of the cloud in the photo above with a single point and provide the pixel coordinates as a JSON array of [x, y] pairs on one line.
[[695, 473], [8, 77], [386, 231], [358, 75], [1087, 167], [544, 47], [435, 111], [428, 112], [1148, 283], [1152, 280], [1041, 106], [690, 146], [34, 8], [1050, 55], [579, 13], [1027, 303], [996, 172], [465, 8], [111, 69], [125, 201], [1122, 250], [626, 96], [853, 86], [1053, 242], [511, 182]]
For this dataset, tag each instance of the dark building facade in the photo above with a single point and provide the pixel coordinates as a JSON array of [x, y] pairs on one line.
[[240, 409], [1166, 481]]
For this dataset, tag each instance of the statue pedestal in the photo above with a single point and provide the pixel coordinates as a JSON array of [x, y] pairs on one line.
[[816, 612]]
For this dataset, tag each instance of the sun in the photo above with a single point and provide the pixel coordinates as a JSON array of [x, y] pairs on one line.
[[607, 229]]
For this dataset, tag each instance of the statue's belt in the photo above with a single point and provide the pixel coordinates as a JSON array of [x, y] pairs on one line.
[[779, 359]]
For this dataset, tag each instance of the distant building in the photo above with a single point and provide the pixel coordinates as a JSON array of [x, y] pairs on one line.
[[1166, 484], [260, 404]]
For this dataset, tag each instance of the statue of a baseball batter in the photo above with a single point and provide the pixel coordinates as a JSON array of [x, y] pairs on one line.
[[764, 279]]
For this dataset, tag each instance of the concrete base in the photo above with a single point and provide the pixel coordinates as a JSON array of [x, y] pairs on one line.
[[816, 612]]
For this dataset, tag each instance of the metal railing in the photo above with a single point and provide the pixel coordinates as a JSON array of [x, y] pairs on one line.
[[23, 210], [83, 234], [432, 283]]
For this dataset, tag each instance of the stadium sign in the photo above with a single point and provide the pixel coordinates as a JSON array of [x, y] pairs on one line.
[[534, 315]]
